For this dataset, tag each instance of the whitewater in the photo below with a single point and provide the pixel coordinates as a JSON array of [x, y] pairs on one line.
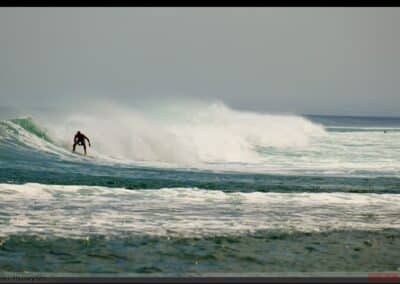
[[185, 188], [213, 137]]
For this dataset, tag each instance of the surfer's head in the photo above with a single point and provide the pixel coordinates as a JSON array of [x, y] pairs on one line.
[[78, 132]]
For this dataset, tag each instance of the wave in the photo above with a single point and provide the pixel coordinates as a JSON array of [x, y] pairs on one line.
[[156, 178], [183, 134], [74, 211], [206, 137]]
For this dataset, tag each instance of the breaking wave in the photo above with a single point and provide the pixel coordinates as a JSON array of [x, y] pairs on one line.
[[178, 134]]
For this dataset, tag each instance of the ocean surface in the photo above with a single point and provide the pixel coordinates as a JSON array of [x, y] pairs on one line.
[[205, 190]]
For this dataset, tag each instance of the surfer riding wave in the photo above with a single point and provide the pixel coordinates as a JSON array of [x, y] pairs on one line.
[[79, 139]]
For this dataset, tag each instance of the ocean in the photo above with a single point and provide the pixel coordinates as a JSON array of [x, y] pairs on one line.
[[198, 191]]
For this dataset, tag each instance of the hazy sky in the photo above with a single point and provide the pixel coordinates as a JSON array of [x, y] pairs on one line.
[[303, 60]]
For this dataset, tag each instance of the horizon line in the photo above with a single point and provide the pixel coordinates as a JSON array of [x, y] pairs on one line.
[[352, 116], [301, 114]]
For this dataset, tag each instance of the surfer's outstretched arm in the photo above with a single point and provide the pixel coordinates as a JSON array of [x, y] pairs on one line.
[[88, 141]]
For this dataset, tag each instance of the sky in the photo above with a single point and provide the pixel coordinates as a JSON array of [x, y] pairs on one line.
[[340, 61]]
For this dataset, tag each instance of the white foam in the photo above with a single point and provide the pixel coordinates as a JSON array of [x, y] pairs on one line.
[[192, 134], [78, 211]]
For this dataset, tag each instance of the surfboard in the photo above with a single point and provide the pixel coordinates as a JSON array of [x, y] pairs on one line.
[[81, 154]]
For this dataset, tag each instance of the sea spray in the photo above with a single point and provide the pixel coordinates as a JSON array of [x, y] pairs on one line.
[[183, 134]]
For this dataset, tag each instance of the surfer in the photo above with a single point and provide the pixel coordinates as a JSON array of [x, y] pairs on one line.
[[79, 139]]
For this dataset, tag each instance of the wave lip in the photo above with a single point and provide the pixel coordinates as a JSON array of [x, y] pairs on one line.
[[29, 125]]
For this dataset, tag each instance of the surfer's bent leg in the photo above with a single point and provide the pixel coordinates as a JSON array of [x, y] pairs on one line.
[[73, 147], [84, 147]]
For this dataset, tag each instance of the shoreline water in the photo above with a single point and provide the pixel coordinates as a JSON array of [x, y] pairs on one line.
[[353, 252]]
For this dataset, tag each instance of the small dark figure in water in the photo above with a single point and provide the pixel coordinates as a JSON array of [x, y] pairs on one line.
[[384, 131], [79, 139]]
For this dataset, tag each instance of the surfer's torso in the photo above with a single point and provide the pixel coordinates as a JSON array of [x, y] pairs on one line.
[[79, 138]]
